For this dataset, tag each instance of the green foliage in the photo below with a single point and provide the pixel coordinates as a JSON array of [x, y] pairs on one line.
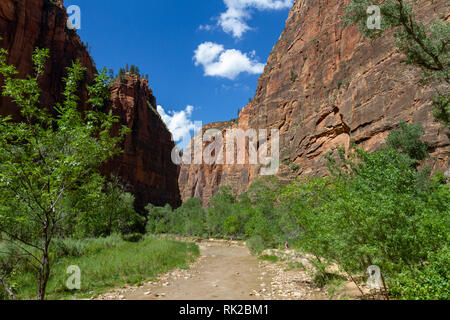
[[220, 210], [441, 110], [294, 166], [256, 244], [99, 209], [133, 237], [159, 219], [407, 139], [121, 73], [70, 247], [427, 281], [122, 262], [134, 70], [268, 258], [47, 157], [373, 209]]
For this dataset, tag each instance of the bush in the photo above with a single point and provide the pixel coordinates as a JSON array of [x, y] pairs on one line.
[[428, 281], [256, 244], [407, 139], [158, 219], [221, 207], [71, 247], [101, 213], [133, 237]]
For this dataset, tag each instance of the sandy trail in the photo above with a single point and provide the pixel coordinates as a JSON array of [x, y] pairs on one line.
[[225, 270]]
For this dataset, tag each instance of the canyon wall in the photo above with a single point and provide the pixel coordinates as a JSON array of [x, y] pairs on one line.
[[27, 24], [326, 86], [145, 166]]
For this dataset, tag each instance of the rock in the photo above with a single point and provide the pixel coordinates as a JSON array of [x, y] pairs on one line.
[[25, 25], [325, 86], [145, 166]]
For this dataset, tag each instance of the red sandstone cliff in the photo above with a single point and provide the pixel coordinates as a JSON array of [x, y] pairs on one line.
[[27, 24], [325, 86], [145, 166]]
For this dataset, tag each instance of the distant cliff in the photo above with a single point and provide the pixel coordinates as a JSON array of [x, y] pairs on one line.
[[145, 166], [326, 86]]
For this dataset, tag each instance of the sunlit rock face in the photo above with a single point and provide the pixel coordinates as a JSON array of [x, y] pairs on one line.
[[326, 86]]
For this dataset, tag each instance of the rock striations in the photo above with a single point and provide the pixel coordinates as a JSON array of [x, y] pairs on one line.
[[325, 86]]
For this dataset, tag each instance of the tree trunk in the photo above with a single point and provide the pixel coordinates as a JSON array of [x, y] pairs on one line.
[[7, 289], [44, 273]]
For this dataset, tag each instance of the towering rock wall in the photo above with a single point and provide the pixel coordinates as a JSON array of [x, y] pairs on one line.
[[326, 86], [27, 24], [145, 166]]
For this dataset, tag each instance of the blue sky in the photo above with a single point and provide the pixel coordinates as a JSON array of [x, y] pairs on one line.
[[205, 54]]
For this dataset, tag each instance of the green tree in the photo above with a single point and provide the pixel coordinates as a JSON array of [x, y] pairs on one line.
[[407, 139], [425, 46], [121, 73], [158, 218], [221, 207], [100, 209], [370, 212], [48, 155]]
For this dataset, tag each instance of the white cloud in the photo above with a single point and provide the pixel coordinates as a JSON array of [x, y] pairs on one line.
[[179, 123], [238, 11], [218, 62], [206, 27]]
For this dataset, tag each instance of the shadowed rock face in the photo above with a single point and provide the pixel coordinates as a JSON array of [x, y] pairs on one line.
[[325, 86], [145, 166], [27, 24]]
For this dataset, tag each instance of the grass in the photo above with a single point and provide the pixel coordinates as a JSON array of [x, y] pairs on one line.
[[270, 258], [183, 267], [334, 287], [113, 266]]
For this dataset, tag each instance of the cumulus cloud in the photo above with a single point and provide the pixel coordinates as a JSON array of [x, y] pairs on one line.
[[233, 20], [218, 62], [179, 123]]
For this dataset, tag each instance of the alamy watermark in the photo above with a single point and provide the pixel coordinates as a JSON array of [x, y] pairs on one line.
[[74, 19], [374, 19], [375, 281], [74, 280]]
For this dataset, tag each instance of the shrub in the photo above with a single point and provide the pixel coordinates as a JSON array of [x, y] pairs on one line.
[[133, 237], [407, 139], [256, 244], [427, 281]]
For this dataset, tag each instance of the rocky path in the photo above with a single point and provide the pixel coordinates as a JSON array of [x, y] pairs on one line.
[[225, 271]]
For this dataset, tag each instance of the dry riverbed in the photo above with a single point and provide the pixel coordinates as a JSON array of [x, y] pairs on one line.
[[226, 270]]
